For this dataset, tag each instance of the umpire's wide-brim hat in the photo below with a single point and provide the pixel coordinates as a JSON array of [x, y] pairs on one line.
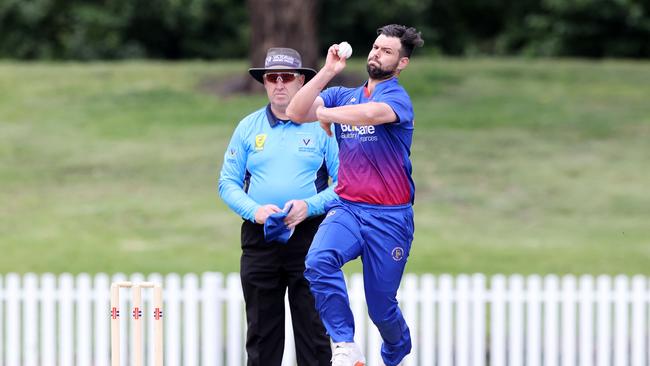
[[281, 59]]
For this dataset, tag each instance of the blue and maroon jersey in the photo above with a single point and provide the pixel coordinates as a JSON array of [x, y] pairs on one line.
[[374, 163]]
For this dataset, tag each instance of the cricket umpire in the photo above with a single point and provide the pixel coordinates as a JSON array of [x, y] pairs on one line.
[[275, 176]]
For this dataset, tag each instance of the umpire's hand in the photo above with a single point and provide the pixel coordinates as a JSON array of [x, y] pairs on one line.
[[264, 212], [297, 214]]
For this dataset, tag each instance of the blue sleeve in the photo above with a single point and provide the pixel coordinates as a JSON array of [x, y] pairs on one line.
[[316, 203], [330, 96], [400, 102], [233, 173]]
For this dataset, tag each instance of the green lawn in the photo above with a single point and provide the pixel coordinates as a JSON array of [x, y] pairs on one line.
[[521, 166]]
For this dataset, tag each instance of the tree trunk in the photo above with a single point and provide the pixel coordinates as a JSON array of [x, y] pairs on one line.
[[282, 23]]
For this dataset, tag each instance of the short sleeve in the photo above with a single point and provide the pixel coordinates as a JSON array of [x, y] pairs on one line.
[[331, 96], [400, 102]]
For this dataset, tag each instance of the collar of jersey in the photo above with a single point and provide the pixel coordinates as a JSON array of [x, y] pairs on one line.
[[384, 84], [273, 120]]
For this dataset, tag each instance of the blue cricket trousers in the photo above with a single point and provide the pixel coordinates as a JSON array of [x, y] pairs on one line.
[[382, 236]]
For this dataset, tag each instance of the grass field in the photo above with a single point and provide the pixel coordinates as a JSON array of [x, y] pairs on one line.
[[521, 166]]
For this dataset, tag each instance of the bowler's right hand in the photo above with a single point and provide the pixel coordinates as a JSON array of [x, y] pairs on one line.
[[333, 62], [264, 212]]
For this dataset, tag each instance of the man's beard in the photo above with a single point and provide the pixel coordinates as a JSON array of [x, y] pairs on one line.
[[377, 73]]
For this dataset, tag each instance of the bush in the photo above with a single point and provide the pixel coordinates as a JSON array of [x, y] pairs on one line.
[[180, 29]]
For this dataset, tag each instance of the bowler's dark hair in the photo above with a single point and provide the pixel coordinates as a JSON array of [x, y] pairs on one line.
[[409, 37]]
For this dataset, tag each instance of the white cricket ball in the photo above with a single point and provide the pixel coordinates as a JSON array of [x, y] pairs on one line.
[[345, 50]]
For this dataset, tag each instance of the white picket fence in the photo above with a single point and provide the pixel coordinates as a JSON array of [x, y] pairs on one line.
[[516, 320]]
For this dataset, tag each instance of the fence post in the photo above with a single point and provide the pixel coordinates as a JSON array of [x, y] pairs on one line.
[[498, 321], [603, 321], [586, 333], [551, 321], [102, 319], [516, 321], [66, 319], [621, 291], [171, 314], [13, 320], [84, 323], [234, 315], [638, 351], [462, 320], [446, 320], [568, 332], [48, 320], [2, 300], [30, 319], [478, 320], [428, 319], [533, 326], [190, 320], [212, 320]]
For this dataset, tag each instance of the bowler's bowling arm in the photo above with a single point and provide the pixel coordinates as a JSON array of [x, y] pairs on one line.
[[303, 105]]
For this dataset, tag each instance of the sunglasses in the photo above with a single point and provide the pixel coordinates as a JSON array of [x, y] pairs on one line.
[[286, 77]]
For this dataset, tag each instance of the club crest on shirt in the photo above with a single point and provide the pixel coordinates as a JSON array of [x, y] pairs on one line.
[[306, 142], [259, 141], [231, 154], [397, 253]]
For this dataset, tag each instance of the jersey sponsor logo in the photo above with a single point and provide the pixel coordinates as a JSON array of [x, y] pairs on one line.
[[259, 142], [361, 130], [397, 254], [363, 133], [330, 213]]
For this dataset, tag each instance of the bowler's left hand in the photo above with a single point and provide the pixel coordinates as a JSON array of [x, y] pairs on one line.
[[325, 123], [297, 214]]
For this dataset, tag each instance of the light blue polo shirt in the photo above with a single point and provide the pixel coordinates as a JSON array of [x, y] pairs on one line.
[[271, 161]]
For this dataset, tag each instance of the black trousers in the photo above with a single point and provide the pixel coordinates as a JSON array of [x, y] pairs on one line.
[[267, 271]]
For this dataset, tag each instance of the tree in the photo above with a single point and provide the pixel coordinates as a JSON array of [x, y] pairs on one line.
[[282, 23]]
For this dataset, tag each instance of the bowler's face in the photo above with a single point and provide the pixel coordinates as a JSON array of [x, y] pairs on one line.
[[384, 57], [282, 91]]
